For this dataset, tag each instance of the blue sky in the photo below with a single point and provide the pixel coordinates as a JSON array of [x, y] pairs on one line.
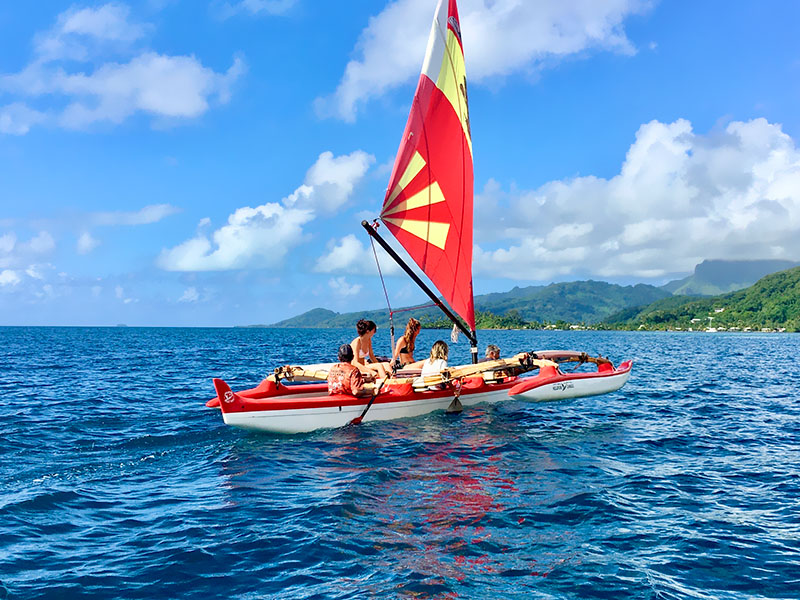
[[170, 162]]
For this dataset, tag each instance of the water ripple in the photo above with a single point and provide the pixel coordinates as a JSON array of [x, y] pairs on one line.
[[118, 482]]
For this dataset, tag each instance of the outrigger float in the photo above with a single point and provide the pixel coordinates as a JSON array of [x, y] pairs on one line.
[[428, 208]]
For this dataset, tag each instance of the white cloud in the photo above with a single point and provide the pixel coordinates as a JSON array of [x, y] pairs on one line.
[[163, 86], [42, 243], [329, 183], [152, 213], [9, 278], [35, 271], [17, 118], [501, 37], [254, 237], [679, 198], [345, 254], [166, 87], [189, 295], [19, 254], [76, 28], [119, 292], [262, 236], [7, 242], [86, 243], [342, 288], [350, 255]]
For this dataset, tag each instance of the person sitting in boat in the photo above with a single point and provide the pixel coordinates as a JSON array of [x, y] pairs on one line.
[[345, 377], [403, 355], [434, 365], [492, 353], [362, 350]]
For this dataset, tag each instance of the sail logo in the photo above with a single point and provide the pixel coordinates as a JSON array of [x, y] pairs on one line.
[[228, 397], [562, 387], [454, 25]]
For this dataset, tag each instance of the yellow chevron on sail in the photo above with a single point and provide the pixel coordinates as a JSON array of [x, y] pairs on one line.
[[415, 165], [452, 81], [430, 195], [430, 231]]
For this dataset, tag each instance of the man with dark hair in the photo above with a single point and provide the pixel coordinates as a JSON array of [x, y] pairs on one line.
[[344, 377]]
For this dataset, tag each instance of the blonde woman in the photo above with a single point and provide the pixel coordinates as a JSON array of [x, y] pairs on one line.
[[404, 348], [362, 350], [435, 364]]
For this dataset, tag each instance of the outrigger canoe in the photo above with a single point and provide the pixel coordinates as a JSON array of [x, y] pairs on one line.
[[280, 405], [428, 208]]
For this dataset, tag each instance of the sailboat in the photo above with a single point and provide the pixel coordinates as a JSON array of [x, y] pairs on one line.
[[428, 209]]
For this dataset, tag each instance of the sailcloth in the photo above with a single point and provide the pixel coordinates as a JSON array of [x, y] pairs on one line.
[[428, 204]]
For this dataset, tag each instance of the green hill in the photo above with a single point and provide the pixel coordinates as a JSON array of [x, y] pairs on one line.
[[773, 302], [574, 302], [714, 277]]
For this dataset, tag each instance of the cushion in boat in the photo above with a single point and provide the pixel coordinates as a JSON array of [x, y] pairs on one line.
[[473, 383]]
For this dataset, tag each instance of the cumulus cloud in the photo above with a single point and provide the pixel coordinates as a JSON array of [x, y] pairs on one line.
[[69, 95], [75, 29], [680, 197], [17, 118], [152, 213], [350, 255], [501, 37], [342, 288], [329, 183], [86, 243], [8, 278], [7, 242], [21, 255], [261, 236]]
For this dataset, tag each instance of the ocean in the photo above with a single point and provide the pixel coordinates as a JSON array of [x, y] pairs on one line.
[[117, 481]]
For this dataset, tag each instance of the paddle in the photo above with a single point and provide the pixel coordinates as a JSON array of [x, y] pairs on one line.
[[357, 420]]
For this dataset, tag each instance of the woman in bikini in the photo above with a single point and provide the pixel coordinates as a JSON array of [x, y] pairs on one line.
[[404, 348], [362, 350]]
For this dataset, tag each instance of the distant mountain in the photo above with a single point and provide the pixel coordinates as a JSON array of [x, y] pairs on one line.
[[574, 302], [772, 302], [308, 319], [714, 277]]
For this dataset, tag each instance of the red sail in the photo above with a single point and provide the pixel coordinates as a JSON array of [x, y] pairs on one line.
[[428, 205]]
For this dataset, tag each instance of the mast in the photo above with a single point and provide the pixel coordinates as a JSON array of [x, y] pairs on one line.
[[428, 203]]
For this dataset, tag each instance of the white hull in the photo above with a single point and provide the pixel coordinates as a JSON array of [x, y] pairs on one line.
[[308, 419]]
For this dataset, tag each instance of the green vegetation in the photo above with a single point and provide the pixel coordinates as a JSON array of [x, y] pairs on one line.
[[773, 302], [573, 302], [486, 320]]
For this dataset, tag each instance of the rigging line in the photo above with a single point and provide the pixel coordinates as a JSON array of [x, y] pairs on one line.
[[385, 293], [431, 305]]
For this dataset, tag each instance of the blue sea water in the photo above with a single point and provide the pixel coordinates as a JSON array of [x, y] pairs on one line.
[[117, 482]]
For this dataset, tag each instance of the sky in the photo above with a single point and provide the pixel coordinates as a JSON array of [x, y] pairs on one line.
[[208, 162]]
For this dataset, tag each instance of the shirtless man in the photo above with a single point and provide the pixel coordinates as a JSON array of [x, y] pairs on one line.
[[345, 377]]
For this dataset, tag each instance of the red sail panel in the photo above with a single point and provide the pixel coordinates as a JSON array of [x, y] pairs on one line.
[[428, 204]]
